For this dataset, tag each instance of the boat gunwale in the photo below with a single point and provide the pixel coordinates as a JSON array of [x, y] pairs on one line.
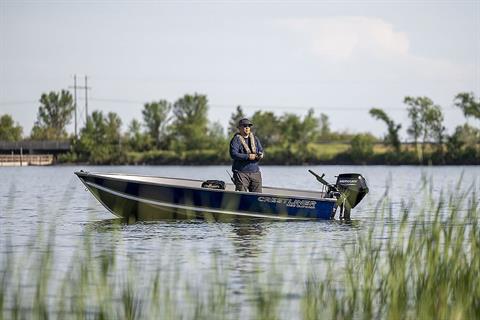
[[107, 176]]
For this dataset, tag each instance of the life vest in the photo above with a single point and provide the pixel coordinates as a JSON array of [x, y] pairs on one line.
[[245, 145]]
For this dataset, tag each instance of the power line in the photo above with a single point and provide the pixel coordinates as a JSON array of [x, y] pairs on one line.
[[231, 106], [339, 108], [220, 106], [14, 103], [123, 101]]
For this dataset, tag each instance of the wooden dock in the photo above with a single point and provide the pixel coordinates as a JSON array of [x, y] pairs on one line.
[[17, 160]]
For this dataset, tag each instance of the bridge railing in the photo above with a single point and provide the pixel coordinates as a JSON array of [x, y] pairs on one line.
[[9, 160], [59, 145]]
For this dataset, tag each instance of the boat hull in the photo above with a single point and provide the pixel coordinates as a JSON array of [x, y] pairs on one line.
[[143, 200]]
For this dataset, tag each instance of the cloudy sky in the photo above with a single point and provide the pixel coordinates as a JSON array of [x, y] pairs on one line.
[[338, 57]]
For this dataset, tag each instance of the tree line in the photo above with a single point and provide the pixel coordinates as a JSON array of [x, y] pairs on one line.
[[180, 132]]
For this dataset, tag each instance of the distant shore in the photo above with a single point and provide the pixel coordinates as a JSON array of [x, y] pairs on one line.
[[315, 154], [336, 153]]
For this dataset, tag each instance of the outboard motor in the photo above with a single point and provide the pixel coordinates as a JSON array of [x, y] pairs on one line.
[[349, 190], [354, 186]]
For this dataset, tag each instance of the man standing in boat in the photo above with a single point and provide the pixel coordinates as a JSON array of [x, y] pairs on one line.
[[246, 150]]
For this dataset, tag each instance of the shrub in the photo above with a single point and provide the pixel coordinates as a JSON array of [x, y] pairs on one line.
[[362, 147]]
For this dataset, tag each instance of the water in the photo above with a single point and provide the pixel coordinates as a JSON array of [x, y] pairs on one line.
[[42, 198]]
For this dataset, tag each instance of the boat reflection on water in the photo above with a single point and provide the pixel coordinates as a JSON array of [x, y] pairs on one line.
[[246, 237], [106, 225]]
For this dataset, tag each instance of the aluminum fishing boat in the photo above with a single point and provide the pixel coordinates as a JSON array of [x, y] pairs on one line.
[[136, 197]]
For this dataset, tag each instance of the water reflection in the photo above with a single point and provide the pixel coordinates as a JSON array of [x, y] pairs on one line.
[[105, 226], [247, 236]]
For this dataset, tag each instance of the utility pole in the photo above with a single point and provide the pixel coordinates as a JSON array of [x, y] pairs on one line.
[[75, 87], [75, 94], [75, 101], [86, 99]]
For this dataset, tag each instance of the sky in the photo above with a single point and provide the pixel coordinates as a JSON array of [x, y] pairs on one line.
[[340, 58]]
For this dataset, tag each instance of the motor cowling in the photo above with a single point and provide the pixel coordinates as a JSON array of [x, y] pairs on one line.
[[353, 186]]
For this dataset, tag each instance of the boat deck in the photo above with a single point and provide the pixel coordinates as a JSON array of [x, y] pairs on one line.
[[190, 183]]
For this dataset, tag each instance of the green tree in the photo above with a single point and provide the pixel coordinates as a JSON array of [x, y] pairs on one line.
[[416, 126], [325, 130], [391, 138], [469, 104], [137, 140], [155, 117], [435, 128], [54, 114], [426, 122], [297, 133], [234, 119], [362, 147], [217, 138], [99, 141], [91, 145], [267, 127], [9, 131], [113, 126], [462, 145], [189, 128], [309, 130]]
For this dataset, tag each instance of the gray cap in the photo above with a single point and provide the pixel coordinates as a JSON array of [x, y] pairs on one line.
[[244, 122]]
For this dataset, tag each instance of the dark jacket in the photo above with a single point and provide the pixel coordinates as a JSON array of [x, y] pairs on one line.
[[240, 155]]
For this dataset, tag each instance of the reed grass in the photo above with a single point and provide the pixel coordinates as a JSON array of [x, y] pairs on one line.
[[418, 263]]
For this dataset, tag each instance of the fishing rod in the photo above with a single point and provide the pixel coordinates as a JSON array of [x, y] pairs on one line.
[[231, 178]]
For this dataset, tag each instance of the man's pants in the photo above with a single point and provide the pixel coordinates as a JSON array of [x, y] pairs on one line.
[[248, 181]]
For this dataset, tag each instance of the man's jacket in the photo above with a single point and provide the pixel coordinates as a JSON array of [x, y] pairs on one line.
[[239, 153]]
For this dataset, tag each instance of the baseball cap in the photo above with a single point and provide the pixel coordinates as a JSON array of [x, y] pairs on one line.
[[244, 122]]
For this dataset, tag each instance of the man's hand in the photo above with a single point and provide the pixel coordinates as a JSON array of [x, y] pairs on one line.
[[252, 156]]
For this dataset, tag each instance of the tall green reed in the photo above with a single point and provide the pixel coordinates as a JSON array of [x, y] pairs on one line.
[[412, 262], [427, 267]]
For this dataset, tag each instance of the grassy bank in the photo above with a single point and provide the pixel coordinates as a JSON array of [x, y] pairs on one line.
[[312, 153], [419, 263]]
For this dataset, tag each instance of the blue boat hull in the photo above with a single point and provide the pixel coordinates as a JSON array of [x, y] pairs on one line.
[[147, 200]]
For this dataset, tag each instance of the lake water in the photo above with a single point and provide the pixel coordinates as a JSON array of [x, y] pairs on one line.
[[43, 198]]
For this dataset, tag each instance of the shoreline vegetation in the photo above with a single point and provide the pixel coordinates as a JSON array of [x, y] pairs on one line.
[[421, 262], [317, 154], [181, 133]]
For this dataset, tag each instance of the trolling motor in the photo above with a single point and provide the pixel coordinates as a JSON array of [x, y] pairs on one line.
[[349, 190]]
